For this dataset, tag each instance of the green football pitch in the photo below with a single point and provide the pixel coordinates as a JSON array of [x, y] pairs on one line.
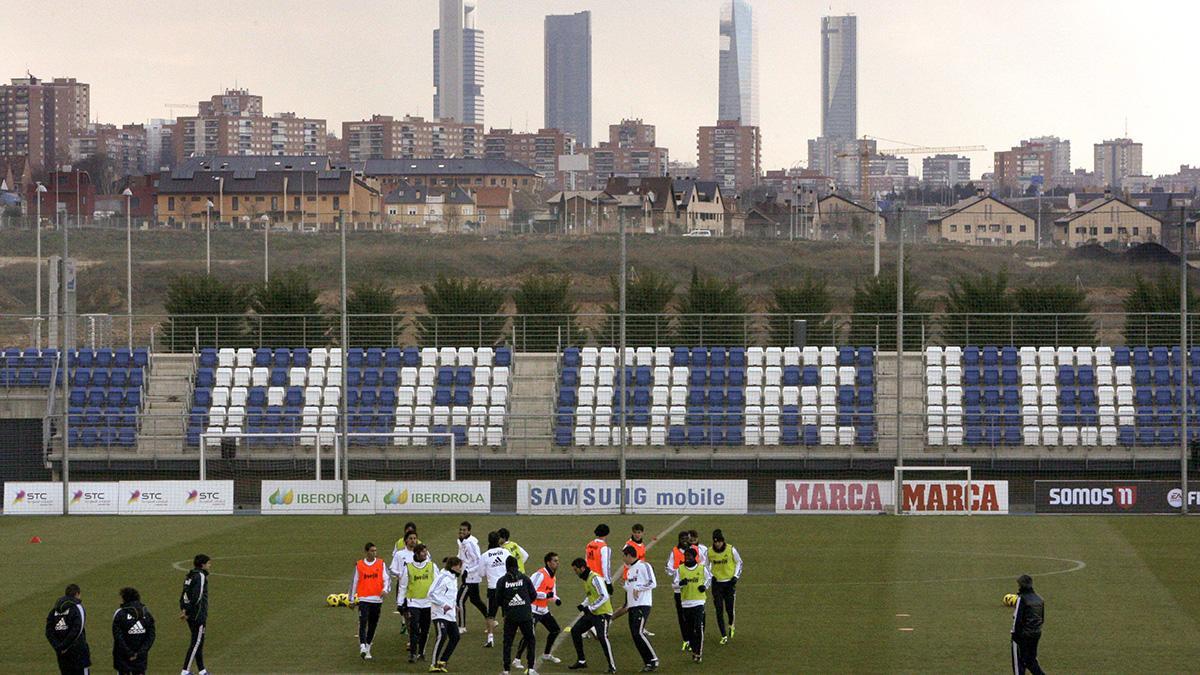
[[818, 594]]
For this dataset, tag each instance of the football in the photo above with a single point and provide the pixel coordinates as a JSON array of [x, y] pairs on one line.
[[1010, 600], [343, 599], [332, 600]]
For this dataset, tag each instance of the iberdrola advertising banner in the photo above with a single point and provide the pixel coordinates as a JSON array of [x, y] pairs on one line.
[[433, 496], [316, 496]]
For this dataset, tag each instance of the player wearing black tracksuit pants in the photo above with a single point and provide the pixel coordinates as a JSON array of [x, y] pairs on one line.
[[1028, 616], [65, 630], [133, 634], [515, 596], [193, 606]]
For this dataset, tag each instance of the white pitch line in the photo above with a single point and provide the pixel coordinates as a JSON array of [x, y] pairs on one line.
[[566, 631]]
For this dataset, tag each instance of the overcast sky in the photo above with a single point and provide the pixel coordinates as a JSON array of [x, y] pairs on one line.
[[931, 72]]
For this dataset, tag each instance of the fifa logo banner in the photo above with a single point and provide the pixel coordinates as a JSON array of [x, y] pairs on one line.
[[316, 496], [433, 496], [1111, 496]]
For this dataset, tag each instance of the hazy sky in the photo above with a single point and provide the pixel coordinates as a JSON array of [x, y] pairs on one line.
[[931, 72]]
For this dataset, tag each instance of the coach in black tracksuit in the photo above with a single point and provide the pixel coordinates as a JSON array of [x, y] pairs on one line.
[[66, 633], [515, 595], [133, 634], [193, 606], [1027, 627]]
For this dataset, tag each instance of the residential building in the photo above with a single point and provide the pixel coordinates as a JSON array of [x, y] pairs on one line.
[[384, 137], [244, 195], [471, 174], [1187, 179], [983, 220], [457, 63], [144, 199], [1107, 220], [946, 171], [538, 151], [1060, 156], [16, 173], [584, 211], [655, 199], [439, 210], [38, 118], [125, 147], [839, 77], [838, 218], [233, 124], [840, 159], [160, 145], [494, 209], [699, 205], [888, 174], [738, 64], [69, 193], [1017, 167], [678, 169], [730, 154], [798, 181], [568, 74], [1116, 160], [629, 151]]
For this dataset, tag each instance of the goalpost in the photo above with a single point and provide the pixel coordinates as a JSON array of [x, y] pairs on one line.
[[965, 486]]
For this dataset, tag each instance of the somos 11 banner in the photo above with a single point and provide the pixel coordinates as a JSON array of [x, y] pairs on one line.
[[641, 496], [433, 496], [835, 496], [1111, 496], [316, 496], [175, 497]]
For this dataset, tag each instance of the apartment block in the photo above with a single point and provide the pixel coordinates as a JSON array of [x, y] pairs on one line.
[[124, 146], [1116, 160], [538, 151], [38, 118], [730, 154], [630, 151], [384, 137], [233, 124], [946, 171], [1046, 156]]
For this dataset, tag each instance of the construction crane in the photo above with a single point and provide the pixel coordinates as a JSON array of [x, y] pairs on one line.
[[173, 106], [864, 156]]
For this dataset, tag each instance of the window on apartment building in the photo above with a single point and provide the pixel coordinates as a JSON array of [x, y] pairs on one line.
[[1108, 230], [296, 203], [1023, 228], [337, 203], [1008, 229], [954, 228], [412, 210], [967, 228], [1135, 231], [274, 203], [995, 227], [235, 203], [1093, 231], [493, 182], [260, 199], [170, 203], [1080, 230]]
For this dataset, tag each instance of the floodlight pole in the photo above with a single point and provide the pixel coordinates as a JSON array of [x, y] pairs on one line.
[[1184, 356], [129, 262], [900, 341], [345, 355], [65, 372], [624, 402]]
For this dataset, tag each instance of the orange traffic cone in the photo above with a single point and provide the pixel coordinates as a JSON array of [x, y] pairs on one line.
[[35, 540]]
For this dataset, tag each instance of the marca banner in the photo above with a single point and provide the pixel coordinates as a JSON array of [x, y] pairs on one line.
[[433, 496], [568, 496], [1111, 496], [316, 496], [950, 496], [175, 497], [641, 496], [93, 498], [28, 498], [835, 496]]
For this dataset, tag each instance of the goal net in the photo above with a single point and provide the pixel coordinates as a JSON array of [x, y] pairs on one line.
[[936, 490]]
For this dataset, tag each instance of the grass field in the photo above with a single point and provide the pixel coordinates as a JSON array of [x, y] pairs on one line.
[[819, 594]]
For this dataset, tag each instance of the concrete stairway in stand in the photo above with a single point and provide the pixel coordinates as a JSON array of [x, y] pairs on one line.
[[168, 394], [531, 402]]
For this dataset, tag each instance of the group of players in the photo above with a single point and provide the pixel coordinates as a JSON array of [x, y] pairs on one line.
[[436, 599]]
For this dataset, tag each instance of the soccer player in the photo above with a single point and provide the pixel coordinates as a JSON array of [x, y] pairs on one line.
[[193, 608], [472, 575], [674, 560], [545, 585], [693, 580], [368, 588], [493, 569], [401, 556], [413, 584], [597, 614], [1028, 616], [514, 549], [67, 634], [635, 540], [402, 542], [725, 566], [639, 592], [133, 634], [516, 595], [598, 555], [701, 549], [443, 602]]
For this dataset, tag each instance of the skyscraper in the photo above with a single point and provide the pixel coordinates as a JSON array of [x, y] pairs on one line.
[[568, 73], [738, 71], [839, 76], [1116, 160], [458, 63]]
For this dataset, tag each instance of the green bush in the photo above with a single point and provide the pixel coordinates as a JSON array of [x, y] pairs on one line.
[[461, 312], [287, 312], [648, 297], [711, 312], [874, 319], [204, 311], [1054, 314], [372, 320], [809, 300], [545, 314], [979, 310]]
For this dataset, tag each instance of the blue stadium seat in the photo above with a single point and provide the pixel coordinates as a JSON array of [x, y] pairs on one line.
[[122, 358], [412, 357], [718, 357], [1121, 357], [1162, 377], [676, 436], [991, 377], [1009, 356], [970, 356], [279, 377], [355, 357], [570, 377], [571, 357], [353, 378], [845, 356], [208, 357], [1141, 357], [697, 377], [445, 376], [567, 398], [735, 398], [1010, 377], [503, 357], [716, 377], [737, 378], [1066, 376], [789, 435], [374, 357], [563, 436], [810, 377], [100, 378], [697, 435], [866, 357], [737, 357], [443, 396], [791, 376], [680, 356], [464, 376], [699, 359], [1160, 356], [991, 356], [390, 377], [864, 435], [971, 377]]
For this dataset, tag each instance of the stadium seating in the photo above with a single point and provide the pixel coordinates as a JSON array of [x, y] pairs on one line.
[[460, 391], [106, 389], [717, 396], [1058, 396]]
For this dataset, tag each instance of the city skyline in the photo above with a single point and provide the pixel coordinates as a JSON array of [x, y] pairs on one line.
[[738, 74], [930, 73]]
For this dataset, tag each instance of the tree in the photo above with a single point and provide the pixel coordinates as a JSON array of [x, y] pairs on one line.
[[874, 320], [712, 312], [545, 313], [979, 310], [1054, 314], [461, 312], [809, 300], [204, 311], [371, 315], [1152, 311], [288, 312], [647, 304]]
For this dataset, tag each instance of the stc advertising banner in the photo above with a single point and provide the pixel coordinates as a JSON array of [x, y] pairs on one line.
[[175, 497], [433, 496], [32, 498], [316, 496], [1111, 496], [641, 496], [93, 498], [835, 496]]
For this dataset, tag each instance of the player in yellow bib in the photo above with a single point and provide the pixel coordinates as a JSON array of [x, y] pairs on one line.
[[693, 580], [597, 613], [514, 549], [414, 583], [725, 565]]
